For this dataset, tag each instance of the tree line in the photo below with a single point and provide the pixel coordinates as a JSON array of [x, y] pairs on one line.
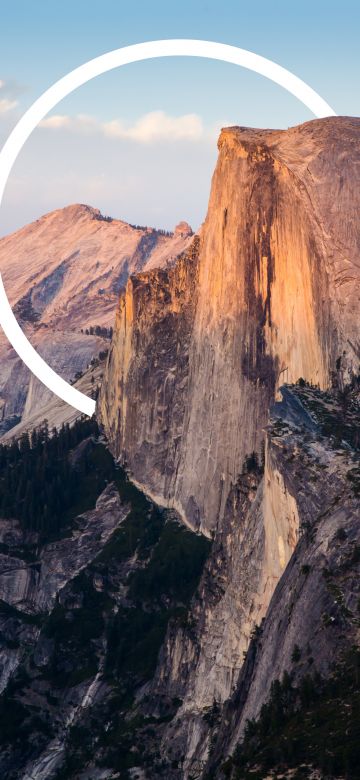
[[98, 330], [37, 480]]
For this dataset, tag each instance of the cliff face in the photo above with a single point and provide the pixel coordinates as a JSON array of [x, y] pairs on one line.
[[113, 654], [270, 294], [312, 623], [146, 385], [274, 298], [279, 591]]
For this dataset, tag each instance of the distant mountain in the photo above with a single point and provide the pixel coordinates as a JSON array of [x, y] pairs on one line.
[[63, 274]]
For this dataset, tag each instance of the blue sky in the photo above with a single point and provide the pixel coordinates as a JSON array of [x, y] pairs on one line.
[[105, 149]]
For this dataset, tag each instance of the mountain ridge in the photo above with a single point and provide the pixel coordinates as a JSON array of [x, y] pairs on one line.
[[62, 275]]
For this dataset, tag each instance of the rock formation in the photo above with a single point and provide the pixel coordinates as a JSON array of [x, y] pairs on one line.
[[268, 294], [63, 274], [228, 398], [312, 621], [271, 295]]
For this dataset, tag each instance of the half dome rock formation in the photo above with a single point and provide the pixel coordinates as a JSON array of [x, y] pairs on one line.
[[268, 294], [63, 274]]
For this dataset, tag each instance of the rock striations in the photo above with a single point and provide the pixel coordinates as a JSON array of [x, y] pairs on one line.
[[274, 296], [266, 295]]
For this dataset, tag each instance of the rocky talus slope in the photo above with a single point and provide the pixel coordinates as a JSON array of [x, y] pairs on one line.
[[62, 275]]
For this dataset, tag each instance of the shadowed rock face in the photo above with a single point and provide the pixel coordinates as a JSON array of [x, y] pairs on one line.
[[274, 297], [150, 358], [314, 608]]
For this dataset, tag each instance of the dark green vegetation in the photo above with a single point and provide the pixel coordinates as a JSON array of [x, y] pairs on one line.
[[159, 586], [108, 626], [313, 725], [98, 330], [158, 231], [38, 484], [109, 622]]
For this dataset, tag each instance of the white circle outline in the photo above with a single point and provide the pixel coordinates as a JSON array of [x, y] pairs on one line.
[[76, 78]]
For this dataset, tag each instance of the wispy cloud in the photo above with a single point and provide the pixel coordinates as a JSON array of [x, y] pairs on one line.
[[6, 103], [158, 126], [154, 127]]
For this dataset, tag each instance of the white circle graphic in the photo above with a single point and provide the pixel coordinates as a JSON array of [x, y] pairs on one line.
[[78, 77]]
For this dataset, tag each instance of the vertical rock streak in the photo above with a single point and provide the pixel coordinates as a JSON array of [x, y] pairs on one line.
[[267, 295], [255, 303]]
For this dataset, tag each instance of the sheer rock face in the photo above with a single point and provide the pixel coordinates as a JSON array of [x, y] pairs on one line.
[[270, 294], [284, 560], [201, 664], [314, 607], [144, 395], [274, 297]]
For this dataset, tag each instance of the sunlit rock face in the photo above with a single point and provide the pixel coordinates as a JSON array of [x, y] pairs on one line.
[[270, 293], [266, 293]]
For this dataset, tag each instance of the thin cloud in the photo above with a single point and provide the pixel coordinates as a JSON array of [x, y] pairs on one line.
[[56, 122], [82, 123], [151, 128], [158, 126], [6, 103]]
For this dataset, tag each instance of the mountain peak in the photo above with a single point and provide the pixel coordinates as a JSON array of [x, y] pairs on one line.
[[183, 229]]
